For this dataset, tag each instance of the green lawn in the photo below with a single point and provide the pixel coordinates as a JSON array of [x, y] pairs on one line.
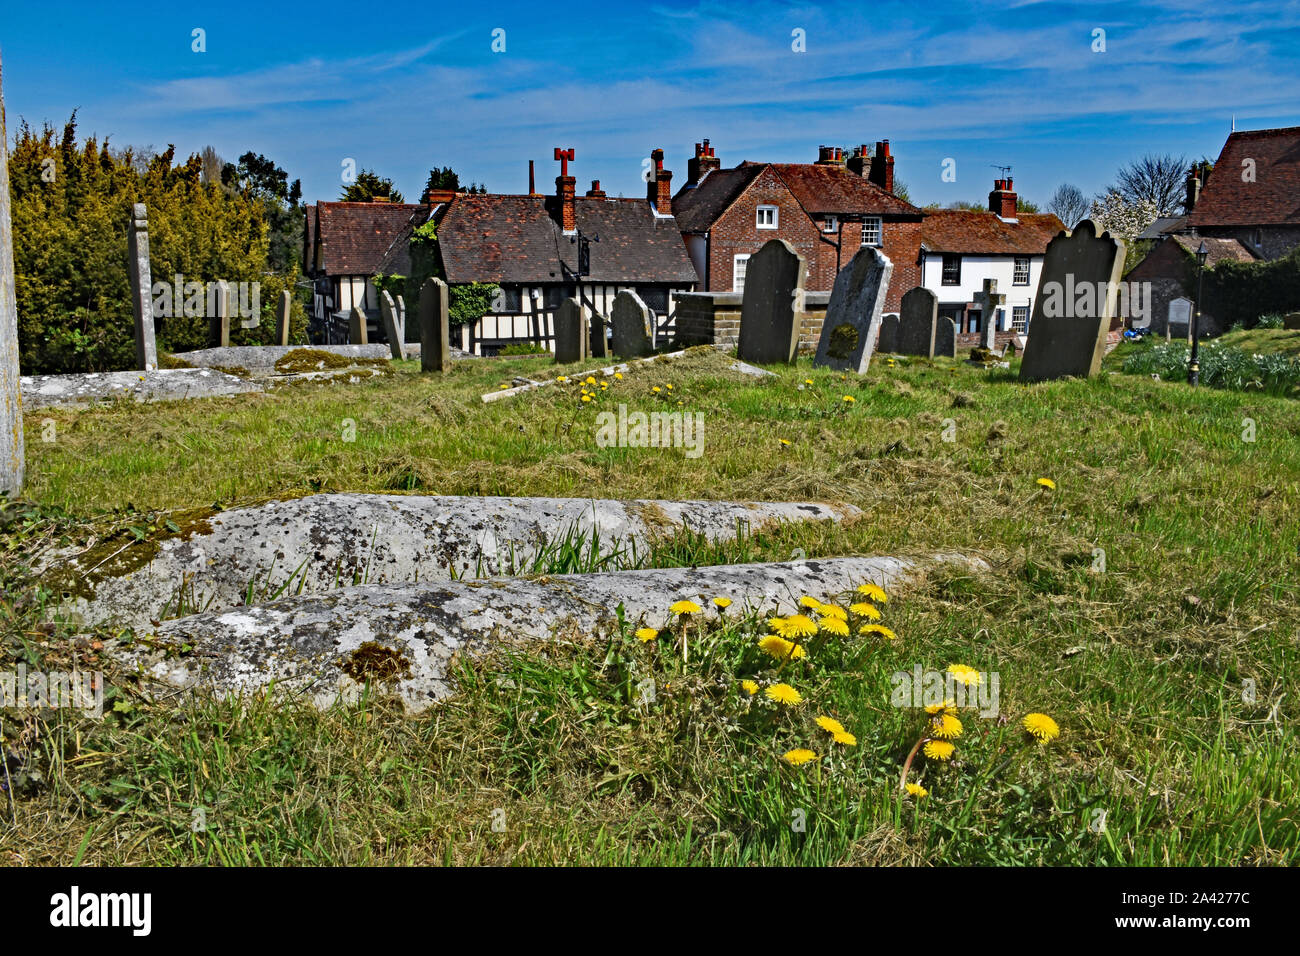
[[1170, 672]]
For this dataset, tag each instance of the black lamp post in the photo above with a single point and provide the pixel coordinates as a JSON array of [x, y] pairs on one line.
[[1194, 367]]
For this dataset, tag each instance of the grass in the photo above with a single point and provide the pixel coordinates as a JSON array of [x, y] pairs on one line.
[[1149, 604]]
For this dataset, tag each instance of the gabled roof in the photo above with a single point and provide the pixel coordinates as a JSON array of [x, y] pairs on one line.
[[1219, 249], [356, 236], [517, 239], [1272, 199], [697, 208], [1160, 227], [973, 233]]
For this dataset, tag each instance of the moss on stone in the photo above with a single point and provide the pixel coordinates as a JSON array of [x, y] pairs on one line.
[[167, 360], [373, 661]]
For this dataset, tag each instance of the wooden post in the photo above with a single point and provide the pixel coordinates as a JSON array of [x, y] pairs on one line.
[[11, 394]]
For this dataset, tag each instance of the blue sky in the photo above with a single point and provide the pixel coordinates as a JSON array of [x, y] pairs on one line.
[[400, 87]]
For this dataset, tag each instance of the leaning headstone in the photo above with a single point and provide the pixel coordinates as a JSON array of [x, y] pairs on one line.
[[137, 241], [571, 332], [852, 326], [282, 318], [917, 322], [597, 338], [1067, 335], [435, 329], [357, 331], [1180, 315], [945, 337], [772, 307], [392, 330], [888, 340], [630, 318], [12, 452], [989, 302], [219, 313]]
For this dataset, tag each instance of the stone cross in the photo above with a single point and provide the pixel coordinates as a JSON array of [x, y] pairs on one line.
[[435, 328], [12, 451], [571, 332], [137, 243], [357, 331], [1072, 311], [918, 322], [282, 318], [219, 313], [392, 330], [851, 329], [772, 308], [989, 302], [631, 320]]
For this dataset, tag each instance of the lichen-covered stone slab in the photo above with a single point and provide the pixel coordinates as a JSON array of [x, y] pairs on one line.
[[263, 358], [309, 645], [322, 542], [154, 385]]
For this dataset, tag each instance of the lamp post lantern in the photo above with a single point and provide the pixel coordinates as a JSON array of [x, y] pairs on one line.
[[1194, 366]]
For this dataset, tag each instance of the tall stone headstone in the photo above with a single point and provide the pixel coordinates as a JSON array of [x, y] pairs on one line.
[[358, 333], [917, 322], [282, 314], [12, 451], [851, 329], [571, 332], [772, 308], [1180, 315], [887, 342], [989, 302], [597, 337], [401, 318], [945, 337], [218, 306], [1073, 308], [137, 244], [392, 330], [630, 318], [435, 329]]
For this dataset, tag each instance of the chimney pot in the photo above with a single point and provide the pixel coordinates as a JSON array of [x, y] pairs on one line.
[[882, 167], [701, 164]]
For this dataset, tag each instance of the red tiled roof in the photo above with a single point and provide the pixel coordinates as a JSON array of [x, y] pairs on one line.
[[355, 237], [1272, 199], [972, 233], [1219, 249], [833, 190], [698, 207]]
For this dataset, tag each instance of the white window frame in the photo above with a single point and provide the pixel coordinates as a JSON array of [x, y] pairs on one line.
[[1015, 270], [739, 265], [1019, 318], [879, 230], [776, 217], [832, 224]]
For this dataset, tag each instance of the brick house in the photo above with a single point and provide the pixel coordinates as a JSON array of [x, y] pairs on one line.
[[826, 210], [1170, 267], [1252, 194]]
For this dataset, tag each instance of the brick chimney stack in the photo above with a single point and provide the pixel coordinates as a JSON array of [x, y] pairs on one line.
[[1002, 200], [435, 197], [882, 167], [565, 190], [1195, 183], [595, 192], [857, 163], [532, 181], [704, 163], [830, 156], [659, 190]]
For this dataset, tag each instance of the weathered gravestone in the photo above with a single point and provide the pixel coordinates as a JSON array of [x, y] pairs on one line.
[[435, 329], [772, 308], [11, 405], [1291, 321], [571, 332], [888, 340], [917, 323], [137, 241], [218, 306], [597, 338], [401, 317], [1072, 311], [852, 326], [631, 321], [358, 334], [392, 328], [945, 337], [989, 302], [1180, 316], [282, 314]]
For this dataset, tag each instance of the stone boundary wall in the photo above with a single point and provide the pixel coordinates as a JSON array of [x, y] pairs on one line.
[[713, 318]]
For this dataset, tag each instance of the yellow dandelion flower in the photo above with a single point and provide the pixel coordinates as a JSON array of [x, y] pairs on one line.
[[589, 380], [722, 602], [799, 625], [874, 593], [916, 790], [962, 674], [863, 609], [780, 648], [809, 602], [562, 379], [1042, 727], [845, 738], [656, 389], [938, 750], [786, 442], [830, 725], [849, 399], [751, 687], [784, 694], [833, 625], [669, 386], [777, 624], [945, 725], [619, 376], [587, 398], [799, 756], [1047, 483], [807, 381], [646, 633], [880, 629], [945, 707], [832, 610], [685, 607], [504, 387]]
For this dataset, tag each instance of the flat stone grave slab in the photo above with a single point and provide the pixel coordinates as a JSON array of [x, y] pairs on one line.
[[154, 385], [322, 542], [314, 647]]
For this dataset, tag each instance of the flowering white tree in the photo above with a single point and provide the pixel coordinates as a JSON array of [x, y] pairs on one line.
[[1121, 217]]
